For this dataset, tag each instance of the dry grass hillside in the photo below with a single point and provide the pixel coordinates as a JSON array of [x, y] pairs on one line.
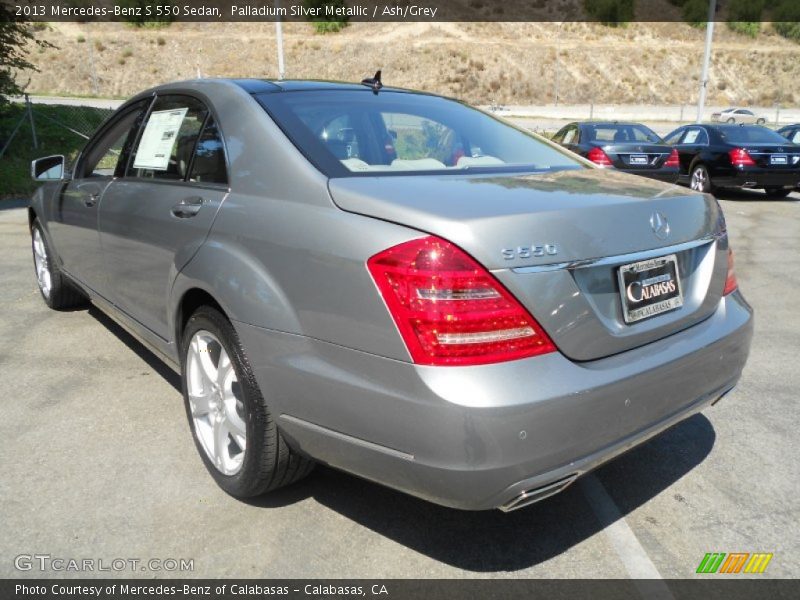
[[509, 63]]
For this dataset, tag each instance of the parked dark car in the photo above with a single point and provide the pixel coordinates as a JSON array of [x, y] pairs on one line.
[[744, 156], [629, 147], [791, 132]]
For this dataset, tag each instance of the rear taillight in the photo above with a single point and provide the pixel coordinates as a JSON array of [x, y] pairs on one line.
[[730, 280], [740, 158], [673, 160], [449, 309], [598, 157]]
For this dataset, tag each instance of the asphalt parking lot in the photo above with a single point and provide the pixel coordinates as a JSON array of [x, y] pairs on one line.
[[98, 461]]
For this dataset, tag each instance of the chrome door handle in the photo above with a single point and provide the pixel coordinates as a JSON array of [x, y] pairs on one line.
[[91, 200], [188, 207]]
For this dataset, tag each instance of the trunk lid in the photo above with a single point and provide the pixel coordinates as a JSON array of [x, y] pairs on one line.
[[637, 156], [556, 240], [773, 156]]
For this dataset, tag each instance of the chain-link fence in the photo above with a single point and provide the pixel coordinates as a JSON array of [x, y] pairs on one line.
[[30, 128]]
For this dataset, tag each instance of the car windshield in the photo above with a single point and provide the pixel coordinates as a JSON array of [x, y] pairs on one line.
[[753, 134], [347, 133], [621, 133]]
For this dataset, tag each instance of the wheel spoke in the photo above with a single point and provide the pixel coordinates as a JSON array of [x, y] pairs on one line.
[[200, 403], [207, 365], [236, 426], [224, 368], [221, 433]]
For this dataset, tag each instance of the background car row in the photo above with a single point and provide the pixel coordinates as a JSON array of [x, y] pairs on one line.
[[704, 156]]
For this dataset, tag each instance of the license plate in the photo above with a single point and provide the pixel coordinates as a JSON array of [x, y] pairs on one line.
[[638, 159], [649, 288], [779, 159]]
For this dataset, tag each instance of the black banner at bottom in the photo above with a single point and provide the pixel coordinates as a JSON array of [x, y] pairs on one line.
[[712, 588]]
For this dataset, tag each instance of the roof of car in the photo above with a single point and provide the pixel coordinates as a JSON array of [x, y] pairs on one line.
[[260, 86]]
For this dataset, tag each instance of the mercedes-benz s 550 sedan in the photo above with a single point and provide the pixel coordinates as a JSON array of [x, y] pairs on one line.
[[392, 283]]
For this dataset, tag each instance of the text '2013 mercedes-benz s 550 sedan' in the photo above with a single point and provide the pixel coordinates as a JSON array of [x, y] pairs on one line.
[[394, 284]]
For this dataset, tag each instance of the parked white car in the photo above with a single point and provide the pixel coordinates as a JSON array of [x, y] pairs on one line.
[[737, 115]]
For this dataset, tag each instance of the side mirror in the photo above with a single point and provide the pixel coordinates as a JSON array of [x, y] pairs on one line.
[[49, 168]]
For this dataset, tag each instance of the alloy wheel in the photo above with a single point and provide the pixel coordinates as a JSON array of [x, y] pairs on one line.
[[699, 179], [215, 399], [41, 263]]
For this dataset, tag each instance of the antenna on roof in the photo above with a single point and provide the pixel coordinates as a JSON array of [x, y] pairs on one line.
[[374, 82]]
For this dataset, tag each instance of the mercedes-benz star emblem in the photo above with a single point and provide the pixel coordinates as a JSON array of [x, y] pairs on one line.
[[660, 225]]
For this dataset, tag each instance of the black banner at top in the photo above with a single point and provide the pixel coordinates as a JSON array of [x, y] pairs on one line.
[[607, 11]]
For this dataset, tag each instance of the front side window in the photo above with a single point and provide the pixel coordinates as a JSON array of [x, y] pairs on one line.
[[673, 137], [350, 132], [106, 156], [168, 138]]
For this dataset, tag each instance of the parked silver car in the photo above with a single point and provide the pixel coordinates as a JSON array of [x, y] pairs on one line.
[[394, 284], [737, 115]]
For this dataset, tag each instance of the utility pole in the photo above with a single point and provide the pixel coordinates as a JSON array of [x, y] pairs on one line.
[[279, 35], [555, 74], [701, 100]]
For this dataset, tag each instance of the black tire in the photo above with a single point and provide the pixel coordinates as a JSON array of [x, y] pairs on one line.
[[62, 293], [699, 176], [777, 192], [731, 120], [760, 121], [268, 462]]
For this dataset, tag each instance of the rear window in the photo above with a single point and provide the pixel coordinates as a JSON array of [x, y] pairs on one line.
[[622, 133], [349, 133], [753, 134]]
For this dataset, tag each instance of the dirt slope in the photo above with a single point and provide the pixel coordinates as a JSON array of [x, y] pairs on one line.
[[513, 63]]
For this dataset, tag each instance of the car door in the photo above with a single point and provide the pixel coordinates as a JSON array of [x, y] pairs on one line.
[[154, 219], [691, 144], [73, 224]]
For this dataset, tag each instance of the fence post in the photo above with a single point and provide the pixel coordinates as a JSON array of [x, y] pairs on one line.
[[33, 123], [777, 113], [591, 111], [680, 120]]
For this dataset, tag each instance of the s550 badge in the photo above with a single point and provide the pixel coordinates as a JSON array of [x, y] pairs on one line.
[[533, 251]]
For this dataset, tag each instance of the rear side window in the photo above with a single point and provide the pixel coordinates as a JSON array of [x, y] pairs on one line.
[[208, 165], [796, 137], [695, 135], [168, 139]]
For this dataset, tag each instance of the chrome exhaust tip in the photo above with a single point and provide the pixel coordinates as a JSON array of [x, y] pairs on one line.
[[528, 497]]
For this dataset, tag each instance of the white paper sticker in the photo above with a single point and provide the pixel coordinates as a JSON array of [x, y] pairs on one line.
[[691, 136], [796, 138], [158, 138]]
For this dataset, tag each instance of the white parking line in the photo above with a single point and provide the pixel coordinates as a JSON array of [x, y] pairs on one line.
[[630, 552]]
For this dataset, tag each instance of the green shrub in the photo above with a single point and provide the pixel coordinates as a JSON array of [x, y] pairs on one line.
[[745, 16], [81, 39], [142, 20], [695, 13], [786, 19], [610, 12], [324, 23]]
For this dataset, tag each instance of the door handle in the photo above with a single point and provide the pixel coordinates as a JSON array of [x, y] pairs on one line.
[[91, 200], [188, 207]]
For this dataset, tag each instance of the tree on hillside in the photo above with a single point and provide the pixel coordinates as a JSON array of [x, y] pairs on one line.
[[14, 36], [327, 23]]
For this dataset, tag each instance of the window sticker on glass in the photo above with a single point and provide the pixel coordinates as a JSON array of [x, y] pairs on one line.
[[691, 136], [796, 138], [159, 136]]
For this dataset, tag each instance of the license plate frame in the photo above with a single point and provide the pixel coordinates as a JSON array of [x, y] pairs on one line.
[[653, 276], [638, 160], [779, 159]]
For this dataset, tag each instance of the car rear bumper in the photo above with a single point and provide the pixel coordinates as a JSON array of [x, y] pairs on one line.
[[758, 178], [491, 436], [670, 175]]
